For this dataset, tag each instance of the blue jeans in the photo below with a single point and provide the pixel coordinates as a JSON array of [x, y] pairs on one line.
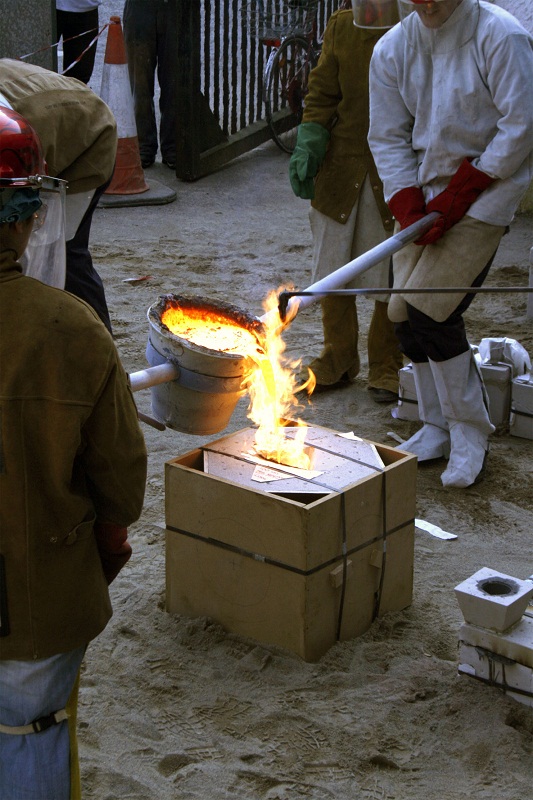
[[36, 766]]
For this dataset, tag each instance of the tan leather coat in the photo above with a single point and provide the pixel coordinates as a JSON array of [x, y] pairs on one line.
[[77, 129], [71, 451], [338, 100]]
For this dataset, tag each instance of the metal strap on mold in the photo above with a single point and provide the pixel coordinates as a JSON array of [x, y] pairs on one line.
[[344, 566], [493, 659], [344, 551], [279, 467], [379, 592], [383, 538], [344, 456], [272, 561], [520, 413], [402, 399]]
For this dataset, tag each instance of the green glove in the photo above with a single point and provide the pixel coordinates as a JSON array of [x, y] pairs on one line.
[[309, 153]]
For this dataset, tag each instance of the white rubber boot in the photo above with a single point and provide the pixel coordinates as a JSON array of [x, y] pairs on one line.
[[433, 439], [462, 399]]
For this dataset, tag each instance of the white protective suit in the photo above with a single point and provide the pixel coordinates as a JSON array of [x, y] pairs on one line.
[[433, 105], [462, 90]]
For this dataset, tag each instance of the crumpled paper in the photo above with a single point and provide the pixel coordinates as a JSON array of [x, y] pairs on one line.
[[501, 350]]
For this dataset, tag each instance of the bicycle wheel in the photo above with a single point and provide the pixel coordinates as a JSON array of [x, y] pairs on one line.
[[286, 78]]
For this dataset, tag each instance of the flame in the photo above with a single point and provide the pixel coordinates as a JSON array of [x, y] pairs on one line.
[[272, 383], [272, 388]]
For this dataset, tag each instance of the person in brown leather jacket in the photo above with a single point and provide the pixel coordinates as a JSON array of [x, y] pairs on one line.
[[78, 134], [332, 166], [72, 479]]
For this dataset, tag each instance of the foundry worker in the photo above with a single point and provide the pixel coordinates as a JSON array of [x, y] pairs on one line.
[[78, 134], [72, 478], [333, 167], [451, 130], [150, 36]]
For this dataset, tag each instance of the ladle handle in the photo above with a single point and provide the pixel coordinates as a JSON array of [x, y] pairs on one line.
[[153, 376]]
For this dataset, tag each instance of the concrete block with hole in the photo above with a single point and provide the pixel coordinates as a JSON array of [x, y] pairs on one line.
[[493, 600]]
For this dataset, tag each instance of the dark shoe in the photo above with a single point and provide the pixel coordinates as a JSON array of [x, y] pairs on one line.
[[383, 395], [147, 161], [343, 381], [170, 163]]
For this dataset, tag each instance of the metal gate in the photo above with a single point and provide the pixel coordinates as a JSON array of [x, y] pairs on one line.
[[220, 84]]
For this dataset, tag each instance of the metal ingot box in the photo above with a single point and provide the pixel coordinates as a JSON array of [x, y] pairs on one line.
[[291, 561]]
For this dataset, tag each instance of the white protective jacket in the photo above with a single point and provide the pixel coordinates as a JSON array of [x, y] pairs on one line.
[[436, 99]]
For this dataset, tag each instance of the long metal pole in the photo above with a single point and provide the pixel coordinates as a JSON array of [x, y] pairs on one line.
[[285, 297], [348, 272]]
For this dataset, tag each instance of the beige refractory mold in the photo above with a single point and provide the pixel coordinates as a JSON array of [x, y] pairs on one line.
[[493, 600]]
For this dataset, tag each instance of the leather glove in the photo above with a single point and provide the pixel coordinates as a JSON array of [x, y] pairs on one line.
[[453, 203], [113, 548], [308, 155], [408, 206]]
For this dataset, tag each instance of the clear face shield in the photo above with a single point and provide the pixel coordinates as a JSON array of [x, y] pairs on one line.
[[375, 14], [45, 254], [438, 26]]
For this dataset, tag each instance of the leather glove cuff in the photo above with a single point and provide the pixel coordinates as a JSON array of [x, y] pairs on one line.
[[453, 203], [313, 138], [408, 205], [463, 189]]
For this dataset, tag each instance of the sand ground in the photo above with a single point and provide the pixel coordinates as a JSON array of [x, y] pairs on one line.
[[173, 708]]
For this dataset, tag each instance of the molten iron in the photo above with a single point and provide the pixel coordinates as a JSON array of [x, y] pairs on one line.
[[220, 327]]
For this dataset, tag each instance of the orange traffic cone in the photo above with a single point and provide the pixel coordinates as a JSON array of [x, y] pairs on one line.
[[128, 177]]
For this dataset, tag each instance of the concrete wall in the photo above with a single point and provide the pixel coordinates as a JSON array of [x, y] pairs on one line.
[[28, 27]]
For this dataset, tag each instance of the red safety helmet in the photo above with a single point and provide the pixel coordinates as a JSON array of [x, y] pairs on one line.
[[21, 156], [24, 187]]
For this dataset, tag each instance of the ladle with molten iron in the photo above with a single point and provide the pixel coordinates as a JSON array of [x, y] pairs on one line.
[[167, 371]]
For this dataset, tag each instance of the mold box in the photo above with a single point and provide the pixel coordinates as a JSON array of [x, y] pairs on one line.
[[503, 660], [497, 380], [522, 406], [265, 559], [407, 397]]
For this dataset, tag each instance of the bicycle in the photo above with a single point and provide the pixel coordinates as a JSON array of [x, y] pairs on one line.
[[289, 28]]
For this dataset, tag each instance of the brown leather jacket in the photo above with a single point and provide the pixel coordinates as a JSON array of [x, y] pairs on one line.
[[338, 99], [77, 130], [71, 451]]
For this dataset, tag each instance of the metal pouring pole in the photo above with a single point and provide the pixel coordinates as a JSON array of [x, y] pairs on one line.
[[345, 274], [285, 297]]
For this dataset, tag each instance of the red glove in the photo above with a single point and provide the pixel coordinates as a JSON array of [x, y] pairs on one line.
[[408, 206], [453, 203], [113, 547]]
